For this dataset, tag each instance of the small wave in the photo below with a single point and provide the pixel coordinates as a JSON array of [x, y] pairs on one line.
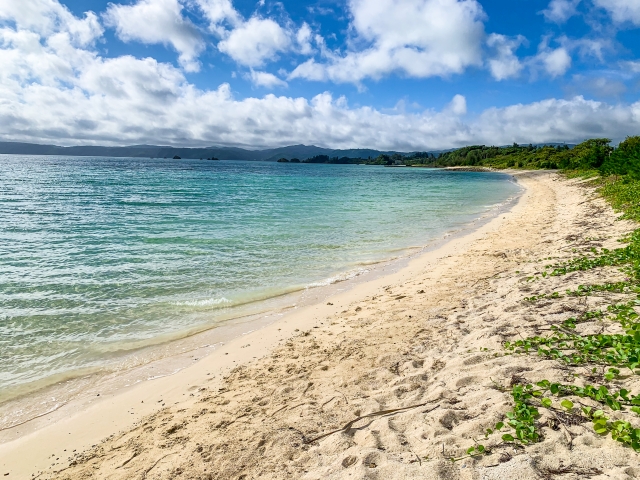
[[341, 277], [207, 302]]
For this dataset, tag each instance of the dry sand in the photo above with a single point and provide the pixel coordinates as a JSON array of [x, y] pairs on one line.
[[429, 335]]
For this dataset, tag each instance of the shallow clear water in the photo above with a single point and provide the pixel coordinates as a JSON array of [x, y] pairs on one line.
[[99, 256]]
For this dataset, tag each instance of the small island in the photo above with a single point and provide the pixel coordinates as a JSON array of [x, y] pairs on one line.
[[286, 160]]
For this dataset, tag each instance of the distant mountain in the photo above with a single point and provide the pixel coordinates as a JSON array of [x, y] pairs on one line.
[[138, 151], [155, 151]]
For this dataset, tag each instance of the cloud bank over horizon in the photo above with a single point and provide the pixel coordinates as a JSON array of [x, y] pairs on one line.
[[210, 74]]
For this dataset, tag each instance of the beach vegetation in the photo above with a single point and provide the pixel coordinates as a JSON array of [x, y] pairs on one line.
[[603, 359], [591, 158]]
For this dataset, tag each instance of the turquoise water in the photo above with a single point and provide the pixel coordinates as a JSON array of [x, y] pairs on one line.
[[100, 256]]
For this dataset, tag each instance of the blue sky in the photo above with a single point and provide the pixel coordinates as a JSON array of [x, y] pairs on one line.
[[392, 74]]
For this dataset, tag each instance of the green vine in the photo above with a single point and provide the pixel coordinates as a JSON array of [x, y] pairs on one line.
[[608, 352]]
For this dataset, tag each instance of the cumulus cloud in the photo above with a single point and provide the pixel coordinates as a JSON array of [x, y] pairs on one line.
[[157, 22], [48, 17], [256, 41], [219, 12], [303, 38], [505, 63], [556, 62], [310, 70], [559, 11], [458, 105], [622, 11], [418, 38], [265, 79], [55, 88], [553, 61], [556, 120], [127, 100]]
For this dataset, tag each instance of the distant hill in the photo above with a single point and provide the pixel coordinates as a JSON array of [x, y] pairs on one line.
[[138, 151], [302, 152]]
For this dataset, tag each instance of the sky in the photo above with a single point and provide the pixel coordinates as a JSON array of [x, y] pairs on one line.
[[401, 75]]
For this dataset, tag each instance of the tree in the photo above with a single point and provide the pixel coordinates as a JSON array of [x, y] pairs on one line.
[[625, 160]]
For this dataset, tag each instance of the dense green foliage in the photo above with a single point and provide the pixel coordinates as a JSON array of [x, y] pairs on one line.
[[418, 158], [508, 157], [624, 160], [594, 154]]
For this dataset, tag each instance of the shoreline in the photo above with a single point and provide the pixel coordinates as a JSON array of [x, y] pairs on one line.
[[48, 429], [393, 380], [48, 404]]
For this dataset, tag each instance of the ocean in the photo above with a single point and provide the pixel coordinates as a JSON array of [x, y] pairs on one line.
[[100, 257]]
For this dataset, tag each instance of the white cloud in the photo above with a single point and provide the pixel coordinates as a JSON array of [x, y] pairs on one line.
[[127, 100], [218, 12], [588, 47], [157, 22], [505, 63], [310, 70], [303, 38], [556, 62], [458, 105], [600, 86], [53, 89], [255, 42], [24, 57], [622, 11], [118, 110], [265, 79], [632, 66], [559, 11], [47, 17], [418, 38], [556, 120]]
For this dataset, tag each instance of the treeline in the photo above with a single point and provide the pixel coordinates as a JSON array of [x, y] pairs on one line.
[[595, 154], [417, 158]]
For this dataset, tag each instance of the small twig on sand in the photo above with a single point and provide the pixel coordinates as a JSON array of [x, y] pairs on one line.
[[144, 475], [279, 410], [419, 459], [322, 406], [370, 415], [135, 454], [487, 278]]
